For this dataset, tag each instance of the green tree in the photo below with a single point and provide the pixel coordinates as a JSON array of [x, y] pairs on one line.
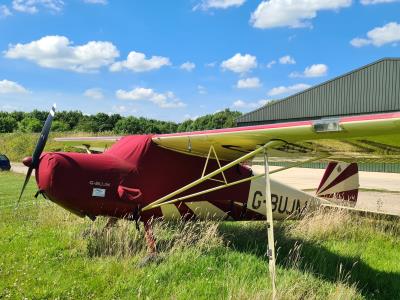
[[185, 126], [129, 125], [39, 115], [17, 115], [222, 119], [60, 126], [86, 124], [7, 124], [29, 124], [113, 119], [101, 122], [72, 118]]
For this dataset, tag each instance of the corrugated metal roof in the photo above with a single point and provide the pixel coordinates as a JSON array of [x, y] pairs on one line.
[[370, 89]]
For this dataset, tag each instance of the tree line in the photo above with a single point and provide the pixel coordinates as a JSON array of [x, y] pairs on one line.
[[101, 122]]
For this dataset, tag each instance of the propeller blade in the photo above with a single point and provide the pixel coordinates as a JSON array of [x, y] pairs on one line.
[[41, 143], [28, 176]]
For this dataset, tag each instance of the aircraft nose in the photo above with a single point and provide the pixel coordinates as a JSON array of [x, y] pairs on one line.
[[44, 172], [27, 161], [82, 183]]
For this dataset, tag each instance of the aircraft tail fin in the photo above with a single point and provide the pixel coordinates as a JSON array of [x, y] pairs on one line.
[[340, 183]]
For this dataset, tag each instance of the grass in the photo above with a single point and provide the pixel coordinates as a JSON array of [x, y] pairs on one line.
[[47, 253]]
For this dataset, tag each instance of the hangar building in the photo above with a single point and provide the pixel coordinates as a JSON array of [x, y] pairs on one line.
[[374, 88]]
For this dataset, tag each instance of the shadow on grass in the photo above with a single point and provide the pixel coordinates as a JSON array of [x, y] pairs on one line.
[[316, 259]]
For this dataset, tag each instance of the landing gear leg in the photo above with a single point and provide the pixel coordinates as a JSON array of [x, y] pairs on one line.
[[152, 254], [150, 239], [111, 223]]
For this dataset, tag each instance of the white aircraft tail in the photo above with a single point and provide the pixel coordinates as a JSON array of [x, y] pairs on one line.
[[340, 183]]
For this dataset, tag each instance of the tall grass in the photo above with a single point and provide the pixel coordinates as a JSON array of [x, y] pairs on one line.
[[124, 240], [201, 238]]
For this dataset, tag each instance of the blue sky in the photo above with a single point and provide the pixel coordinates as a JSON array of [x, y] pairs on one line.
[[174, 60]]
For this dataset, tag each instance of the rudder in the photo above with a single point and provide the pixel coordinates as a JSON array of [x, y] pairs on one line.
[[340, 183]]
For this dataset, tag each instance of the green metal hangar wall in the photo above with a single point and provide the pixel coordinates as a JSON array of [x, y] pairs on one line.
[[374, 88]]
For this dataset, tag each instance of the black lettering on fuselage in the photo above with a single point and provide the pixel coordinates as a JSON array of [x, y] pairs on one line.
[[274, 201], [279, 203], [257, 201], [289, 212], [282, 208]]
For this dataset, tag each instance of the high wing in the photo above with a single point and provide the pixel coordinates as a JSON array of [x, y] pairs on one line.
[[86, 139], [360, 138], [91, 144], [363, 138]]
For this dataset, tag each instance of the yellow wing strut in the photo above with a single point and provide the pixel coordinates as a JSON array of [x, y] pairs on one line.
[[270, 225]]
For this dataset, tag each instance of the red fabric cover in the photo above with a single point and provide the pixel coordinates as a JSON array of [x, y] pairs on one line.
[[131, 148], [134, 172], [159, 171], [69, 179]]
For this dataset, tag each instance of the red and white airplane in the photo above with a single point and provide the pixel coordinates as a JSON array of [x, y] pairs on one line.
[[203, 174]]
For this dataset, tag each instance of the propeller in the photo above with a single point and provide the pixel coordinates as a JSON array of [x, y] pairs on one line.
[[41, 143]]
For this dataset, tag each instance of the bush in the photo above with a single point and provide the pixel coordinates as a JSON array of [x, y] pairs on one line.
[[7, 124], [60, 126], [29, 124]]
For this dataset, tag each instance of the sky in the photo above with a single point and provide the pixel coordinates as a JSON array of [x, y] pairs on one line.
[[181, 59]]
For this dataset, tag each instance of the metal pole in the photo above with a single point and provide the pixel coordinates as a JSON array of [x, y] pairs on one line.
[[270, 225]]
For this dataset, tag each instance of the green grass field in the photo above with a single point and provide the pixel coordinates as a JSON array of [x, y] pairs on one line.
[[47, 253]]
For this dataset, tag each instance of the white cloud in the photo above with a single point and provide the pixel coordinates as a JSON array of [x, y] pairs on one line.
[[290, 13], [369, 2], [211, 64], [103, 2], [188, 66], [33, 6], [201, 90], [11, 87], [123, 109], [138, 62], [57, 52], [271, 63], [263, 102], [94, 93], [287, 60], [164, 100], [359, 42], [119, 108], [9, 108], [4, 11], [379, 36], [240, 63], [240, 104], [281, 90], [248, 83], [187, 117], [218, 4], [316, 70]]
